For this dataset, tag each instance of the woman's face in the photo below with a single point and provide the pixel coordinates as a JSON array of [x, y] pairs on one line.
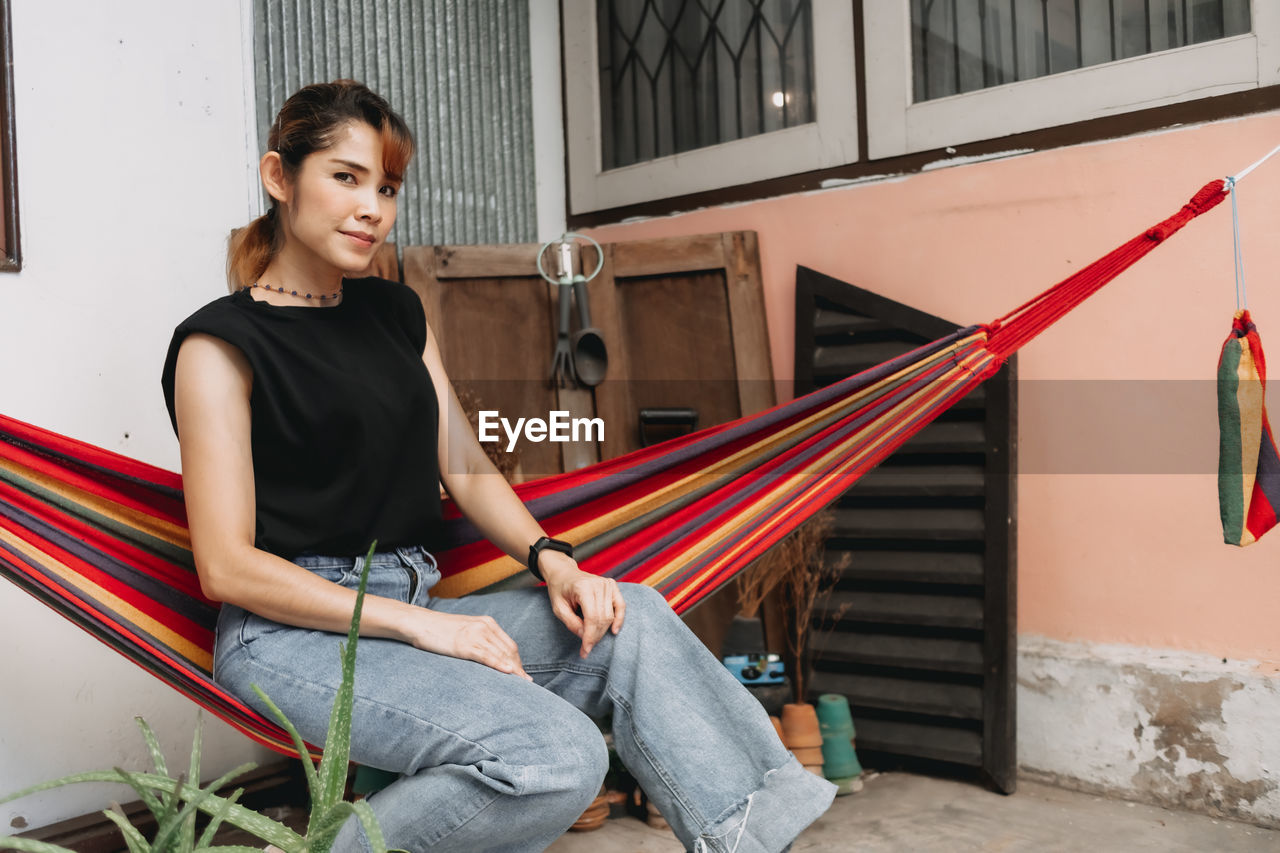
[[340, 204]]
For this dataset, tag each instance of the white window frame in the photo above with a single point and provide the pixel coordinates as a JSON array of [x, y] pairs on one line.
[[830, 141], [897, 126]]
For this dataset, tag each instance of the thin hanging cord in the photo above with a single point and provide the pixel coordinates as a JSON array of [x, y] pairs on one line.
[[1242, 294], [1240, 175]]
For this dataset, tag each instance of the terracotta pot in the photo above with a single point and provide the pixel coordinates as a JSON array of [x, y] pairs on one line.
[[800, 726], [807, 755]]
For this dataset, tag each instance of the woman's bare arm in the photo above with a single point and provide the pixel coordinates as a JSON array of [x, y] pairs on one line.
[[211, 400], [587, 604]]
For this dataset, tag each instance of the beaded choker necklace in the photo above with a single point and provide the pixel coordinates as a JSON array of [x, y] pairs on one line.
[[320, 296]]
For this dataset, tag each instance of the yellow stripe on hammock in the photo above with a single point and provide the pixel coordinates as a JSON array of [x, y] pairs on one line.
[[158, 528], [96, 593], [500, 568]]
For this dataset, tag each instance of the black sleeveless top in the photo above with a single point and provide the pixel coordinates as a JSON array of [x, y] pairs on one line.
[[344, 417]]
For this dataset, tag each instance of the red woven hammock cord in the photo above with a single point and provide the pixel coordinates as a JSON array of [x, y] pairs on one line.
[[1009, 333]]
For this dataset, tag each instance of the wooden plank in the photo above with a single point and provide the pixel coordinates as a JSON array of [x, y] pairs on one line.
[[931, 525], [514, 259], [848, 356], [505, 372], [679, 347], [668, 255], [921, 741], [938, 699], [830, 321], [948, 437], [420, 274], [948, 567], [921, 481], [892, 608], [751, 355], [1000, 609], [924, 653], [613, 396]]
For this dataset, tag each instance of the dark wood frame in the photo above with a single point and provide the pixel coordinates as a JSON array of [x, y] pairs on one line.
[[999, 763], [1196, 111], [11, 259]]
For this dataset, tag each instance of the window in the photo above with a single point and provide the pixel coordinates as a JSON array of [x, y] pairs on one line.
[[962, 45], [677, 75], [981, 69], [10, 254], [669, 97]]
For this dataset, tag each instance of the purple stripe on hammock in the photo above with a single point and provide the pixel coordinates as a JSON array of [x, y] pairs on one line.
[[75, 463], [153, 588], [459, 531], [22, 570], [734, 539], [739, 497]]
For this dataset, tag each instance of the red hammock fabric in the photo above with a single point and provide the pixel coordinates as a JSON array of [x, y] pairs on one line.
[[102, 538]]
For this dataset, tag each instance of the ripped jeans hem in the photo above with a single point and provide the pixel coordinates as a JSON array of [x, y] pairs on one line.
[[771, 817]]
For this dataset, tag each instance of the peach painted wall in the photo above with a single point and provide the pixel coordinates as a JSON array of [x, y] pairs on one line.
[[1119, 538]]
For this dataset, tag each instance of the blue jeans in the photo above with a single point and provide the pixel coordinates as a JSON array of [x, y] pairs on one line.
[[490, 761]]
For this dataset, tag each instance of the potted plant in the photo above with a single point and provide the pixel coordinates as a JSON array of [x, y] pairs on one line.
[[175, 801]]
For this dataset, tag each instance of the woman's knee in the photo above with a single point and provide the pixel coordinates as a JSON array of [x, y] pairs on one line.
[[644, 601], [579, 751]]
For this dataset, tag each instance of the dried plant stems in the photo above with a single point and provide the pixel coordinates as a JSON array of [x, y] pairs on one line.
[[797, 568]]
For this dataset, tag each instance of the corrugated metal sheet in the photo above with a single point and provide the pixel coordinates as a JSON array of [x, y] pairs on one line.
[[457, 70]]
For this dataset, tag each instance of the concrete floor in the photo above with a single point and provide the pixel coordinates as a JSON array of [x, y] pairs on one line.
[[899, 812]]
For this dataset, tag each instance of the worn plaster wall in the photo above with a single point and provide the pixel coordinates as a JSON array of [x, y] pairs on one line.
[[1163, 726]]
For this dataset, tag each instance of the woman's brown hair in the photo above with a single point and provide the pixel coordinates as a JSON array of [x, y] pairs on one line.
[[308, 122]]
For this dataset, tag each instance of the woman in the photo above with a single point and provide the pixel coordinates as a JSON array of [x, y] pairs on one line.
[[314, 416]]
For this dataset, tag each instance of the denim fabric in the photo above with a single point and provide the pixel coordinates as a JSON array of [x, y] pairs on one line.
[[491, 762]]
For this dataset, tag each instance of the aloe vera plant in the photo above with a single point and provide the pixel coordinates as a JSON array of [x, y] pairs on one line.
[[175, 801]]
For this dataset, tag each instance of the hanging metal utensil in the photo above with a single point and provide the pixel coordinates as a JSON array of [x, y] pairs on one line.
[[562, 358], [587, 344], [590, 357]]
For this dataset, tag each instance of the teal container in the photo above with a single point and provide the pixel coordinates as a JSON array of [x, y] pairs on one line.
[[839, 760], [834, 717]]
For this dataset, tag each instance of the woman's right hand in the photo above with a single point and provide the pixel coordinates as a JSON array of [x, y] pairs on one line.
[[477, 638]]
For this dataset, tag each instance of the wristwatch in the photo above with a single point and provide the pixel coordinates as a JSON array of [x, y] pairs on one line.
[[545, 543]]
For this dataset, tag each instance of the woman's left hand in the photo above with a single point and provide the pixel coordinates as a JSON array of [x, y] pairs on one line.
[[587, 604]]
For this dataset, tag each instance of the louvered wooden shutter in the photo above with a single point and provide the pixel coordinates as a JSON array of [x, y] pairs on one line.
[[925, 649]]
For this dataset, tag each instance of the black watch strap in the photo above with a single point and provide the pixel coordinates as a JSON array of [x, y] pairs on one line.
[[546, 543]]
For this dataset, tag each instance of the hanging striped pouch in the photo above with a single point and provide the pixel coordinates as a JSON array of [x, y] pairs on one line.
[[1248, 465]]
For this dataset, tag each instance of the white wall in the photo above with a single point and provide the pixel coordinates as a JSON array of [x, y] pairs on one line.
[[132, 168]]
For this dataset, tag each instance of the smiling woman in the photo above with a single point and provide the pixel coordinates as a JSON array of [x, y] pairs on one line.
[[314, 416]]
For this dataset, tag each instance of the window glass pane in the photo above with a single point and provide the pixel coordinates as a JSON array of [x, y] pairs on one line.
[[676, 75], [963, 45]]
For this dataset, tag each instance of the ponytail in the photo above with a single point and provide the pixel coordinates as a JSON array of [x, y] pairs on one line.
[[250, 249]]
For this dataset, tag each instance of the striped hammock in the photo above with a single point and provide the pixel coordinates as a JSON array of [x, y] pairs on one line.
[[102, 538]]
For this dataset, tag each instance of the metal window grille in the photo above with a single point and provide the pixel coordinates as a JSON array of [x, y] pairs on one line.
[[459, 73], [676, 75], [964, 45]]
